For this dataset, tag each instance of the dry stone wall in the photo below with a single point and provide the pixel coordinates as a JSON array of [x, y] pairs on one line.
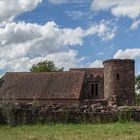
[[56, 113]]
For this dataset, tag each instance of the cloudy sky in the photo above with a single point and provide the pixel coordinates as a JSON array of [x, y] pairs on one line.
[[72, 33]]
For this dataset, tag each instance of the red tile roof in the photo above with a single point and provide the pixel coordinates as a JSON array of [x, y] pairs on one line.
[[52, 85]]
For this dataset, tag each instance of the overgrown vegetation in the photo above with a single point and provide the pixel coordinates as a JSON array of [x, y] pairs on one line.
[[7, 109], [116, 131], [125, 115], [1, 81], [137, 84], [138, 99], [16, 114], [45, 66]]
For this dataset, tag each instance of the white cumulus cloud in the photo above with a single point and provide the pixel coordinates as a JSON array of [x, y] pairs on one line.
[[135, 25], [127, 54], [61, 59], [58, 1], [105, 30], [96, 64], [9, 9], [118, 8], [23, 44]]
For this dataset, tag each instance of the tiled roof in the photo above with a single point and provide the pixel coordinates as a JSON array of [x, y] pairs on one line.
[[52, 85]]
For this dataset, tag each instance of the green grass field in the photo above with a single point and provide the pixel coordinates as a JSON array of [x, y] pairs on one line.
[[116, 131]]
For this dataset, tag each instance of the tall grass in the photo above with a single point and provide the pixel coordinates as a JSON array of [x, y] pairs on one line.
[[115, 131]]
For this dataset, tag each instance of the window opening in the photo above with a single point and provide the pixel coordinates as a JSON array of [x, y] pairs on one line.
[[94, 89], [91, 75], [118, 76]]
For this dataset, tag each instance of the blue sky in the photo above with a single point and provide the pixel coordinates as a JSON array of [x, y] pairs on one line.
[[72, 33]]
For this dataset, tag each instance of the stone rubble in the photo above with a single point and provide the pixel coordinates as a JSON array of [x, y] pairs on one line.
[[75, 113]]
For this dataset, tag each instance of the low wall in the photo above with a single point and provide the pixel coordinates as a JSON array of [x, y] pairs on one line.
[[43, 101], [56, 113]]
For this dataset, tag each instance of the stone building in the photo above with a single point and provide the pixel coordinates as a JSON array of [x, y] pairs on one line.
[[115, 81]]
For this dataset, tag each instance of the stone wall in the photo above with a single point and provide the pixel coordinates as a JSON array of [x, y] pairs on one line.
[[119, 80], [44, 101], [88, 112], [92, 76], [100, 82]]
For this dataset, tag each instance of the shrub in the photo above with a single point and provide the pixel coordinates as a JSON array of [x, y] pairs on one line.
[[7, 110], [1, 81], [125, 115], [138, 99]]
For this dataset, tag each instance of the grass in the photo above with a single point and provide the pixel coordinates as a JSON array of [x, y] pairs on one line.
[[114, 131]]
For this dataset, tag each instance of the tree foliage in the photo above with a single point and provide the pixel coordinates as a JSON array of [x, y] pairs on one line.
[[138, 83], [1, 81], [45, 66]]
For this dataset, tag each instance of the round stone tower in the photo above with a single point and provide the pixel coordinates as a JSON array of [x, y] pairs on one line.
[[119, 80]]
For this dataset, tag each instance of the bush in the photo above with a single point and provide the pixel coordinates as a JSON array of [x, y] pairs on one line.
[[1, 81], [7, 110], [125, 115], [138, 99]]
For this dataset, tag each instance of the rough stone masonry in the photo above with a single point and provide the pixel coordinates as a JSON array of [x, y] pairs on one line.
[[115, 83]]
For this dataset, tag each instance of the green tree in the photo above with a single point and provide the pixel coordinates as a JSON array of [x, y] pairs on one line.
[[1, 81], [45, 66], [138, 84]]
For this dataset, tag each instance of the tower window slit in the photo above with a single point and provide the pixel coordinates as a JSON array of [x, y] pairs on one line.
[[118, 76]]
